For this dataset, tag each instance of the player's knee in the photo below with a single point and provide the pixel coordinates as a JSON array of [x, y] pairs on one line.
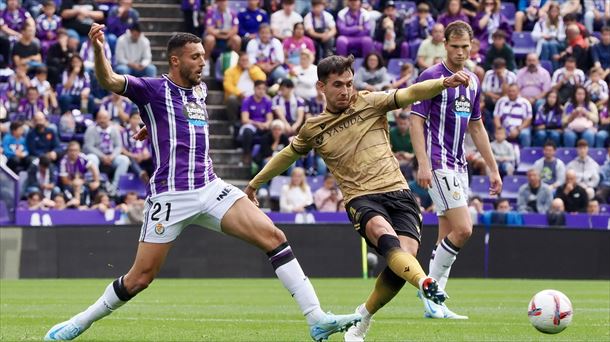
[[376, 227], [462, 233], [275, 237]]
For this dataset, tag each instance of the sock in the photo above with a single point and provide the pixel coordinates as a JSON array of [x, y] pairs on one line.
[[113, 298], [400, 262], [388, 284], [442, 258], [289, 272]]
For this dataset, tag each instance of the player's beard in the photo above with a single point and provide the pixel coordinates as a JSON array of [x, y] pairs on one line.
[[190, 76]]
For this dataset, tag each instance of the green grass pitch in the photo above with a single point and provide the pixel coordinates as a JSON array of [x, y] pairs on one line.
[[261, 310]]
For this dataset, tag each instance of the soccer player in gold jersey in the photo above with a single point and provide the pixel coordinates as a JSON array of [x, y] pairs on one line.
[[351, 135]]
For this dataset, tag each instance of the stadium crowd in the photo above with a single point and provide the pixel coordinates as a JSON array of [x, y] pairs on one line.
[[73, 141]]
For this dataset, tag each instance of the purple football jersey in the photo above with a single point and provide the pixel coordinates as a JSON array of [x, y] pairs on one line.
[[447, 116], [177, 123], [72, 169]]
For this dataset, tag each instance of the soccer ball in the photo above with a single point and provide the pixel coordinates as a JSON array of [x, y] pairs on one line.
[[550, 311]]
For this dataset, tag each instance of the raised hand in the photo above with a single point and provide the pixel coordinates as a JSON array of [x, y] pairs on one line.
[[96, 35], [457, 79]]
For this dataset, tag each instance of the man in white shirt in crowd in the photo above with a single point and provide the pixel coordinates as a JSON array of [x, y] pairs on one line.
[[133, 54]]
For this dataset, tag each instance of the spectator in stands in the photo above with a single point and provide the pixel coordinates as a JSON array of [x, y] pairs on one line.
[[586, 168], [488, 20], [329, 198], [514, 114], [256, 117], [400, 140], [295, 44], [37, 202], [42, 178], [44, 88], [296, 196], [354, 27], [78, 15], [190, 11], [119, 108], [593, 207], [267, 53], [551, 169], [580, 119], [527, 15], [504, 152], [496, 82], [597, 87], [102, 203], [42, 140], [475, 207], [573, 195], [271, 143], [535, 196], [289, 108], [603, 190], [432, 49], [137, 150], [406, 78], [596, 14], [476, 163], [600, 52], [47, 25], [60, 53], [18, 84], [499, 49], [221, 26], [103, 145], [75, 87], [502, 205], [30, 105], [133, 54], [389, 31], [577, 47], [320, 26], [238, 84], [549, 33], [27, 51], [534, 81], [226, 59], [305, 76], [556, 216], [283, 21], [316, 105], [566, 79], [15, 148], [73, 170], [421, 24], [373, 75], [548, 122], [250, 19], [132, 208], [14, 19], [453, 12], [604, 126], [120, 18], [86, 53]]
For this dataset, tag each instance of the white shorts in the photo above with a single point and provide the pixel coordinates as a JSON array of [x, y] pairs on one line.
[[167, 214], [449, 190]]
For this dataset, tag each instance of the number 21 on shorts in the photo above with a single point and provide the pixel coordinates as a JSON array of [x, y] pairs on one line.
[[156, 211]]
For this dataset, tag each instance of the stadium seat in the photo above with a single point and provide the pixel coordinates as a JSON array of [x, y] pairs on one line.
[[413, 48], [479, 186], [599, 155], [532, 219], [405, 6], [523, 43], [315, 183], [131, 182], [394, 65], [597, 35], [600, 222], [358, 62], [578, 221], [512, 185], [547, 65], [566, 154], [275, 189], [508, 10], [528, 157], [238, 5], [604, 208]]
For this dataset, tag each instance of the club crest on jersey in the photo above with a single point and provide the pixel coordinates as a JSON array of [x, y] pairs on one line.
[[159, 229], [195, 113], [462, 107], [199, 92]]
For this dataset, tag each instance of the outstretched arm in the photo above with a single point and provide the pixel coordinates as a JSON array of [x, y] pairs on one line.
[[107, 78], [430, 88]]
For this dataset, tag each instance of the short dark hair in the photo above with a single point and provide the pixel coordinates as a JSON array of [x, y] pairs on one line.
[[582, 143], [287, 83], [499, 34], [571, 59], [500, 200], [135, 27], [380, 61], [499, 63], [334, 65], [47, 3], [179, 40], [570, 17], [32, 88], [15, 125], [605, 29], [318, 2], [458, 28], [263, 26], [259, 82], [44, 161], [550, 143]]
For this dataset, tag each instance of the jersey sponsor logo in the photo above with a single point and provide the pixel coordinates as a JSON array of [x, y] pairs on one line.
[[159, 229], [462, 107], [224, 193], [340, 128], [196, 114]]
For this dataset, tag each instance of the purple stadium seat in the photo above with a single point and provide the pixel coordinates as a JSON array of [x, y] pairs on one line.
[[523, 43], [358, 63], [315, 183], [256, 150], [512, 185], [413, 48], [528, 157], [535, 220], [547, 65], [566, 154], [597, 35], [237, 5], [599, 155], [394, 65], [578, 220], [479, 186], [600, 222], [604, 208], [488, 206], [54, 119], [4, 217], [509, 10], [131, 182], [405, 6], [276, 186]]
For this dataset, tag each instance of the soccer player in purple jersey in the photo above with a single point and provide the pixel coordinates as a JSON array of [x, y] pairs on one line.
[[438, 128], [184, 189]]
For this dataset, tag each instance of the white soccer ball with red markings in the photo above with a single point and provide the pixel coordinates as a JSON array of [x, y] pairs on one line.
[[550, 311]]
